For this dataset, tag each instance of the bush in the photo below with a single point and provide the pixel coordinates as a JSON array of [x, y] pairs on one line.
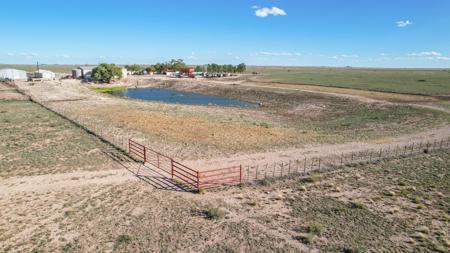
[[357, 205], [315, 229], [106, 72], [313, 178], [214, 213], [122, 239]]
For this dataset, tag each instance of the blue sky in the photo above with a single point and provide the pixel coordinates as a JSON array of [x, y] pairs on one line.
[[372, 33]]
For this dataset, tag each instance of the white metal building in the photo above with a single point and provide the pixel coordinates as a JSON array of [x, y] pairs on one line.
[[13, 74]]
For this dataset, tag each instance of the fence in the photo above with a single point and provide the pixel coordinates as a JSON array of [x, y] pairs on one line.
[[305, 166], [182, 173], [240, 174]]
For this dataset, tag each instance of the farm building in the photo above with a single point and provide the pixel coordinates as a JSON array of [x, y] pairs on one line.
[[187, 71], [45, 74], [13, 74], [76, 73], [86, 71]]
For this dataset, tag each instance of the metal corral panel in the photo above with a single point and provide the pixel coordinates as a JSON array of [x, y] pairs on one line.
[[13, 74]]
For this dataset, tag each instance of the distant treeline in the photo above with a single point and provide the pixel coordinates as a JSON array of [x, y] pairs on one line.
[[178, 64]]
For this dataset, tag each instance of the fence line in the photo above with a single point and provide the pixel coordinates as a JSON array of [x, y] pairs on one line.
[[247, 173], [305, 166]]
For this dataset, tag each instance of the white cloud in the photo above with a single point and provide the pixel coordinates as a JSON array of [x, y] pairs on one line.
[[345, 56], [403, 24], [426, 54], [66, 56], [280, 54], [274, 11], [432, 55]]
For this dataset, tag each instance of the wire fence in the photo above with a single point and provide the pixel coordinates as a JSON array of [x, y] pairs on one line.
[[280, 169], [306, 166]]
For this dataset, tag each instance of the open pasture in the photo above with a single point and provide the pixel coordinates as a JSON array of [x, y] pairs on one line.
[[435, 82]]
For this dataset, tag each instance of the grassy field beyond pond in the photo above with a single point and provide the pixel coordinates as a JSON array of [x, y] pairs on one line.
[[408, 81]]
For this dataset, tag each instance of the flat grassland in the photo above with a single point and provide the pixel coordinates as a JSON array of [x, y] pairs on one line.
[[34, 141], [61, 191], [398, 205], [407, 81]]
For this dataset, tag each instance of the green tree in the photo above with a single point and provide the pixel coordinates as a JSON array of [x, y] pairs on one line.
[[106, 72], [135, 68], [150, 69], [198, 69], [241, 68]]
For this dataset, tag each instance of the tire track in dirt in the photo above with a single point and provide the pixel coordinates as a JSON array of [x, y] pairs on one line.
[[309, 151]]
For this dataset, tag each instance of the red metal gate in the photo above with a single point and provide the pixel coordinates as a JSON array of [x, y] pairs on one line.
[[193, 178]]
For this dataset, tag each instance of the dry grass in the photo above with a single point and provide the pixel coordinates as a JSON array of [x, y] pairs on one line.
[[34, 141]]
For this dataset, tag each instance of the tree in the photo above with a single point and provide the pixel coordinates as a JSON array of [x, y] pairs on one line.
[[135, 68], [150, 69], [198, 69], [241, 68], [176, 64], [106, 72]]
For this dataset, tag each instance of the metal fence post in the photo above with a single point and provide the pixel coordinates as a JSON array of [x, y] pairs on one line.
[[198, 181], [304, 168], [171, 167], [145, 154], [240, 174]]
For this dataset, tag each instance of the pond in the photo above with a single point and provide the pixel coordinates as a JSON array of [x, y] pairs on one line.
[[179, 97]]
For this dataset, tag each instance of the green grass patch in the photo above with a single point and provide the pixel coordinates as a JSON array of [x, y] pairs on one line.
[[110, 89], [214, 213]]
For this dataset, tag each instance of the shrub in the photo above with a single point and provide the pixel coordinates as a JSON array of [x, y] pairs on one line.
[[357, 205], [214, 213], [313, 178], [315, 229], [122, 239]]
